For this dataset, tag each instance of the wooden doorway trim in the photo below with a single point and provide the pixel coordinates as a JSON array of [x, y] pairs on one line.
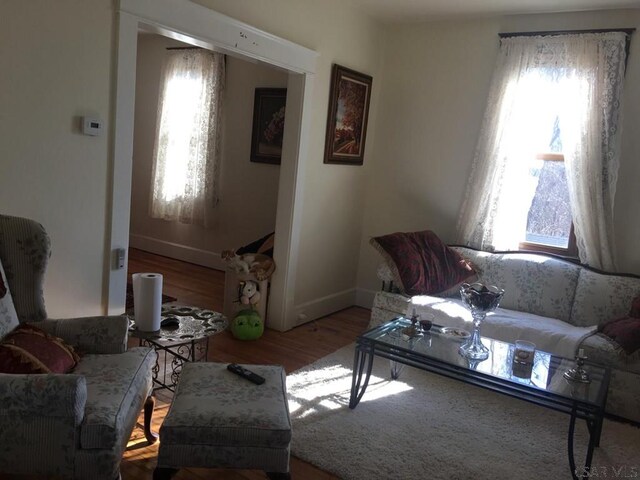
[[198, 25]]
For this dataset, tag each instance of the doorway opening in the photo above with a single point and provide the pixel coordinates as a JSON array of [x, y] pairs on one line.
[[199, 26], [247, 191]]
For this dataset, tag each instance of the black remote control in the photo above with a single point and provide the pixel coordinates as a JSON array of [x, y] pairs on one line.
[[244, 373]]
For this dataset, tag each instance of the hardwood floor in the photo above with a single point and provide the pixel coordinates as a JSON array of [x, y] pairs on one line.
[[204, 287]]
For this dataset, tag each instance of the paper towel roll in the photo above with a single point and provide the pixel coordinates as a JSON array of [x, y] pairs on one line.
[[147, 300]]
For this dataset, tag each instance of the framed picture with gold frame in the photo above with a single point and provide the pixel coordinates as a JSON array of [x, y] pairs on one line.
[[347, 118]]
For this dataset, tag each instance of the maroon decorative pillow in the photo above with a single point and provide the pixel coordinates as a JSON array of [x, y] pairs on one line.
[[421, 263], [625, 332], [635, 307], [28, 349]]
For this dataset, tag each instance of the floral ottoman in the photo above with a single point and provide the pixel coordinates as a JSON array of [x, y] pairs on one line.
[[220, 420]]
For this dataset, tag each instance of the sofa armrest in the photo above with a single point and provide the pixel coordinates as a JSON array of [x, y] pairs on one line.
[[91, 334], [46, 395]]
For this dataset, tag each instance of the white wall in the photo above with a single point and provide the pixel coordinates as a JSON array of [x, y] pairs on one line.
[[428, 97], [60, 57], [436, 80], [333, 203], [56, 66], [248, 190]]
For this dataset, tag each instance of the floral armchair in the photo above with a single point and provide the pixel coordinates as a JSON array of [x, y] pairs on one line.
[[72, 425]]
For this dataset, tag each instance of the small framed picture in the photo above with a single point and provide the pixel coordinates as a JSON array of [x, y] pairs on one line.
[[347, 118], [268, 125]]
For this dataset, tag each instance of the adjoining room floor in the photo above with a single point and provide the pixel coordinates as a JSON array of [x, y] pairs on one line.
[[204, 287]]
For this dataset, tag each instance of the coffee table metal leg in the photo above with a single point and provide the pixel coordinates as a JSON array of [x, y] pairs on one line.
[[396, 369], [361, 358], [594, 438], [597, 425]]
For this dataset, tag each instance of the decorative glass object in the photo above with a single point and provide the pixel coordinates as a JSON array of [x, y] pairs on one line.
[[577, 373], [415, 329], [480, 299]]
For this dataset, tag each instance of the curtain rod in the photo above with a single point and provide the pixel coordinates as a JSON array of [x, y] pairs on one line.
[[628, 31]]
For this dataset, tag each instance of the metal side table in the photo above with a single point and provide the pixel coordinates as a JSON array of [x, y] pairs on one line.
[[188, 341]]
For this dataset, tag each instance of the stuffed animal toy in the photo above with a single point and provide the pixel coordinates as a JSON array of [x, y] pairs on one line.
[[235, 262], [247, 325], [249, 294], [260, 265]]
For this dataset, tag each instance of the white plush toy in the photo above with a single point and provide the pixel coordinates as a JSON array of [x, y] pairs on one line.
[[249, 293]]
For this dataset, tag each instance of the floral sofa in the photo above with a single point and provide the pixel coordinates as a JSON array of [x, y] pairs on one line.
[[544, 296], [73, 424]]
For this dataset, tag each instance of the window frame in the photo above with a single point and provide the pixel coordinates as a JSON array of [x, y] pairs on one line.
[[572, 248]]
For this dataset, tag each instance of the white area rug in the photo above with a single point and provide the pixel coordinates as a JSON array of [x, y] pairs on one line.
[[424, 426]]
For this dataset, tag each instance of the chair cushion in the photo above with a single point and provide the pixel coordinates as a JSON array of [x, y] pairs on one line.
[[114, 386], [213, 406], [28, 349], [8, 316]]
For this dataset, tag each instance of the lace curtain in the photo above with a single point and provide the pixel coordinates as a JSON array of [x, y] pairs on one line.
[[187, 147], [576, 79]]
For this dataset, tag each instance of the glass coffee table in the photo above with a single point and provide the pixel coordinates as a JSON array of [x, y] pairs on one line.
[[542, 383]]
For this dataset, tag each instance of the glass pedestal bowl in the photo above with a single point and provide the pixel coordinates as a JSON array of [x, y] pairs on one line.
[[480, 299]]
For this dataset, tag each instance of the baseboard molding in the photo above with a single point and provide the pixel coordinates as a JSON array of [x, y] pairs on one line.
[[324, 306], [177, 251], [364, 298], [304, 313]]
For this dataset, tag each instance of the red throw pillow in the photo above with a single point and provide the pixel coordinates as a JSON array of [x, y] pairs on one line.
[[625, 332], [421, 263], [635, 307], [28, 349]]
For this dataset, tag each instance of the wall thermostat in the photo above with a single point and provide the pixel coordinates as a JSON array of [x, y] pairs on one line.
[[91, 126], [120, 257]]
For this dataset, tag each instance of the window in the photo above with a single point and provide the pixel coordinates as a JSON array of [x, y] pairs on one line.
[[549, 225], [186, 159], [546, 163]]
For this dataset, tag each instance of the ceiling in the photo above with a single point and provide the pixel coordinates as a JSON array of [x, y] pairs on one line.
[[420, 10]]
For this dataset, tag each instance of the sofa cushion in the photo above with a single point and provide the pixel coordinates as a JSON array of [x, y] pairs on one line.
[[549, 334], [114, 383], [601, 297], [28, 349], [532, 283], [8, 316], [421, 263]]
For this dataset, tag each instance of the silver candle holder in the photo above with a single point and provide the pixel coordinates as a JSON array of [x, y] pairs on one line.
[[577, 373]]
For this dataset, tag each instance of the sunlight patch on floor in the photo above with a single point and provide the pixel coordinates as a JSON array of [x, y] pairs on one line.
[[329, 388]]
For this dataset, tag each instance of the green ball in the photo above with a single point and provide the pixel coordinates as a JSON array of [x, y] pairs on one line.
[[247, 325]]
